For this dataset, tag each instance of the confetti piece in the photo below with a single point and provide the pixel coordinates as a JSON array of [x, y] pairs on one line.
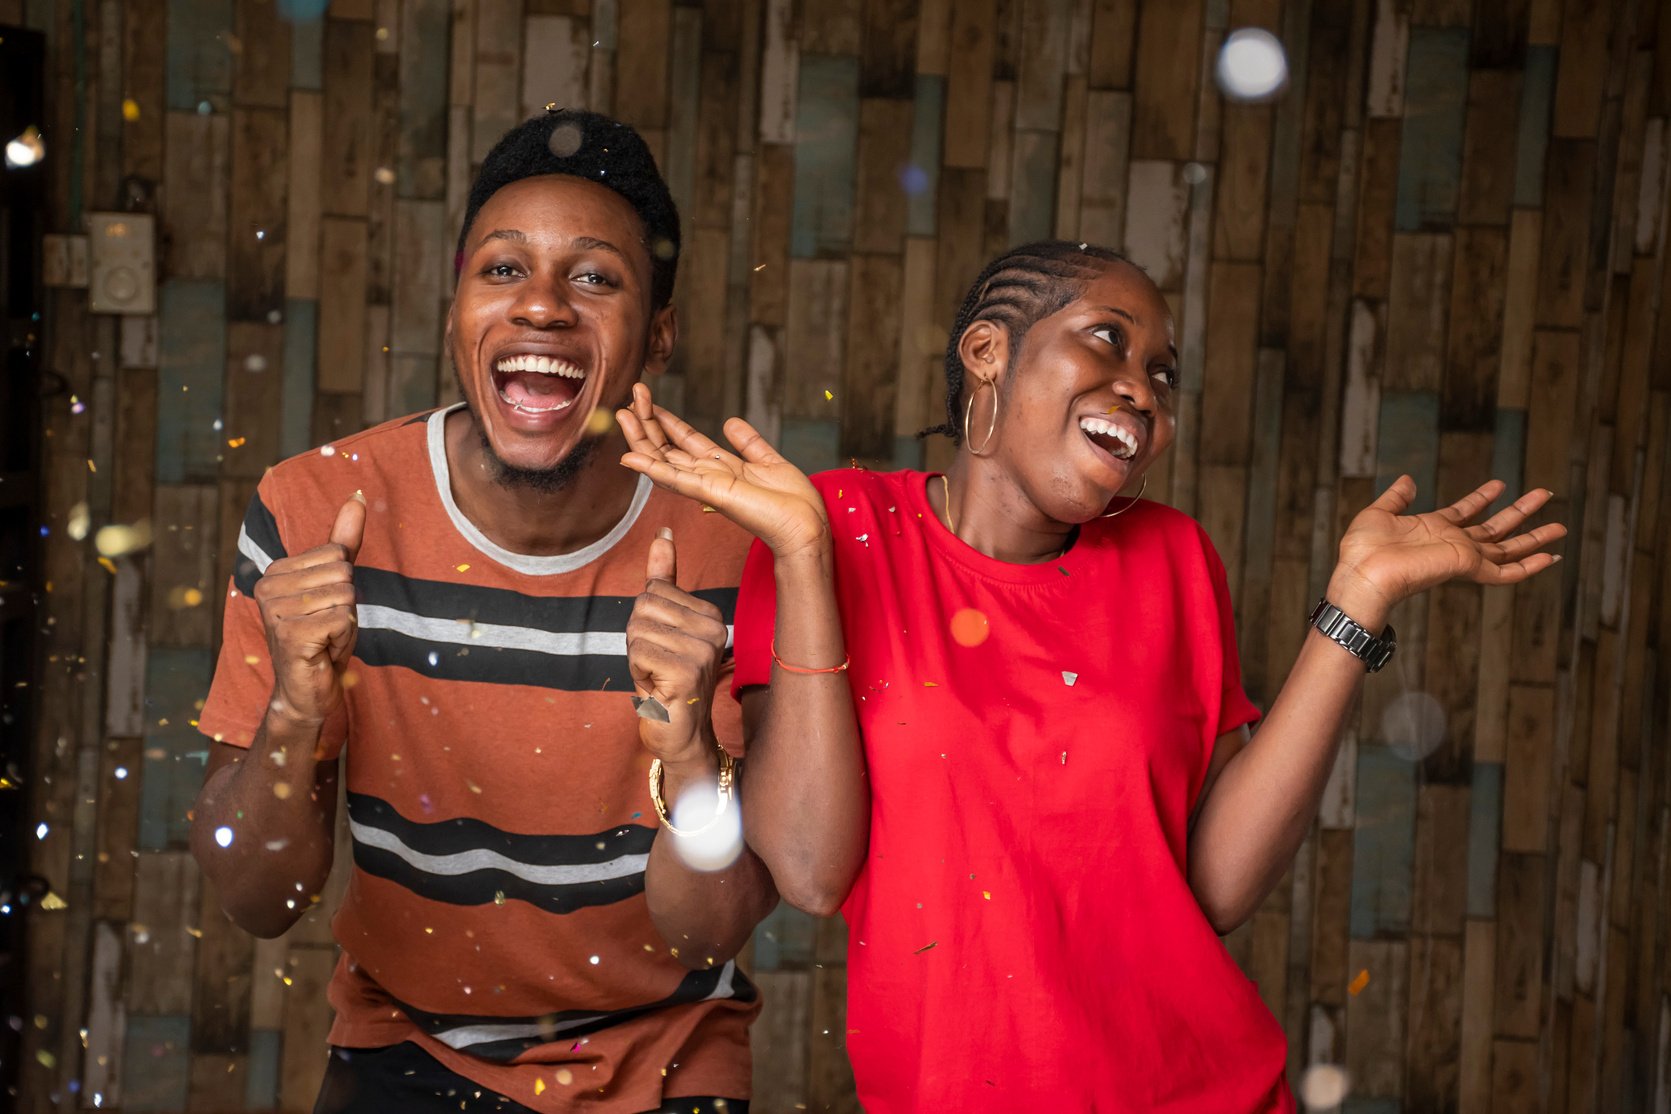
[[565, 1076], [281, 791], [925, 947], [52, 902], [1069, 678], [539, 1086], [236, 442], [931, 684], [828, 396], [1356, 986], [498, 897], [130, 109], [464, 567], [969, 627], [91, 467], [108, 565], [987, 894]]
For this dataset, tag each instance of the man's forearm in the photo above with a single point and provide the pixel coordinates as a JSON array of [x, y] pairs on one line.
[[705, 916], [263, 826]]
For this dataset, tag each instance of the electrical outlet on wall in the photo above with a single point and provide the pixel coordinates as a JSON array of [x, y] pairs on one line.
[[123, 272]]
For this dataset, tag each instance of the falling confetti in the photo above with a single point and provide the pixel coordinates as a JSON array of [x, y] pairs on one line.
[[1069, 678], [464, 567], [565, 140], [130, 109], [565, 1076], [600, 421], [1356, 986], [539, 1086], [828, 396], [77, 525], [223, 836], [1324, 1086], [41, 829], [969, 627], [119, 540], [384, 176], [925, 947]]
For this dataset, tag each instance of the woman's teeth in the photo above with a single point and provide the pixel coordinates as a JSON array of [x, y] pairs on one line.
[[1125, 444]]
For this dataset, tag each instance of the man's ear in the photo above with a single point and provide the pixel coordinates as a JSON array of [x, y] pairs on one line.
[[984, 349], [664, 334]]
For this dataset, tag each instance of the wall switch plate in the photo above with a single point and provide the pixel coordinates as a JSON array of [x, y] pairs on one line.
[[122, 251]]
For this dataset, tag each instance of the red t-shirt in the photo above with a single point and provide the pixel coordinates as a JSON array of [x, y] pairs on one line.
[[1023, 935]]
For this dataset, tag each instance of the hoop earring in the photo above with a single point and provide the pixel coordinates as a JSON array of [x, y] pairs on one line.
[[969, 408], [1116, 514]]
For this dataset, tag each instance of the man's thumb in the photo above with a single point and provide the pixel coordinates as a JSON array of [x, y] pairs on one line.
[[663, 564], [350, 527]]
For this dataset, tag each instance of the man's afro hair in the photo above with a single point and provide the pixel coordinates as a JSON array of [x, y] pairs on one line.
[[600, 149]]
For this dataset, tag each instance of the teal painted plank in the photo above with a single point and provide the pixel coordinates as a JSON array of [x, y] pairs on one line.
[[812, 444], [301, 329], [171, 771], [191, 367], [1485, 823], [425, 43], [1435, 105], [1537, 94], [199, 54], [261, 1085], [908, 451], [785, 939], [156, 1063], [921, 179], [826, 144], [1383, 845], [1371, 1106], [1508, 455], [307, 46], [1408, 441]]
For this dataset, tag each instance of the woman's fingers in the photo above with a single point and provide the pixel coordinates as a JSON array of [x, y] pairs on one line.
[[705, 486], [1523, 545], [1397, 498], [1467, 508], [1513, 572], [1508, 520], [749, 444], [686, 436]]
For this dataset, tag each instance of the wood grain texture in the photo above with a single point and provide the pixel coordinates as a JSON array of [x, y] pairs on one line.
[[1441, 250]]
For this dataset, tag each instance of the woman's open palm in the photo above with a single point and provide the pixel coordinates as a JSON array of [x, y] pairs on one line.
[[755, 487], [1401, 554]]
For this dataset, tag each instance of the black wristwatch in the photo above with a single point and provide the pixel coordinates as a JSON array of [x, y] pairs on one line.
[[1338, 627]]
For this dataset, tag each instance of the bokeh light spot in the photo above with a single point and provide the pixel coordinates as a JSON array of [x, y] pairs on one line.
[[969, 627], [1252, 66]]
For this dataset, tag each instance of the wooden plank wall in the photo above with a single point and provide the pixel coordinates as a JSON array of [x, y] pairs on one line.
[[1442, 250]]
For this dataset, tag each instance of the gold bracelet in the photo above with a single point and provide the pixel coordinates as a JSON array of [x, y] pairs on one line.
[[727, 775]]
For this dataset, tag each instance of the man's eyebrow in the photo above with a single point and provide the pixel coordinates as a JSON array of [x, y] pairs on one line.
[[1117, 311]]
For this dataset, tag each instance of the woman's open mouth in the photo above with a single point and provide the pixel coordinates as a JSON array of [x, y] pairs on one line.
[[532, 385], [1109, 437]]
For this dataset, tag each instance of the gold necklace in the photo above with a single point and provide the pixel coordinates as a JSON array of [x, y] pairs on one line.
[[946, 489]]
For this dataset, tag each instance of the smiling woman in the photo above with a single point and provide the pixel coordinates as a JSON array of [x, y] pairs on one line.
[[996, 716]]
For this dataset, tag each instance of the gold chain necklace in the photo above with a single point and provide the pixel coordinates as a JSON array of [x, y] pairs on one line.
[[946, 490]]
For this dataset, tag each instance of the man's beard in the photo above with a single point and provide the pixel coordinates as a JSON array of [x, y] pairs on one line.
[[544, 481]]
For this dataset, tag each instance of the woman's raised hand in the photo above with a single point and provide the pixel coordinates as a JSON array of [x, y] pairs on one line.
[[1397, 555], [755, 487]]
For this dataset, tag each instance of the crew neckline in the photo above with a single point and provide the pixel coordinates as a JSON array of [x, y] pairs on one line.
[[956, 549], [527, 563]]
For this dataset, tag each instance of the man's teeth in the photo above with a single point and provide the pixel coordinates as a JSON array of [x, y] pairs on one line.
[[1128, 443], [540, 365], [515, 405]]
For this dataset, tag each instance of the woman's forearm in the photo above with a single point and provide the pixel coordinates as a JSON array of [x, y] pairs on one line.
[[263, 826], [1261, 807], [807, 808]]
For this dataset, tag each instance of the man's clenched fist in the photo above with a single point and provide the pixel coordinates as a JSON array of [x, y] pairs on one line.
[[307, 608]]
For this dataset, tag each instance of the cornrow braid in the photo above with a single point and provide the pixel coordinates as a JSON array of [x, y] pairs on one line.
[[1018, 290]]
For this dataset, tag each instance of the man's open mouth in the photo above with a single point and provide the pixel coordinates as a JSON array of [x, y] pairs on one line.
[[537, 384]]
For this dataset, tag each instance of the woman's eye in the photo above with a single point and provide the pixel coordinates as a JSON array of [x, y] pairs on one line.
[[501, 270], [1113, 335]]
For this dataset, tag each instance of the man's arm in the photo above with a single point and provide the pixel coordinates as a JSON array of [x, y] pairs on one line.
[[264, 824]]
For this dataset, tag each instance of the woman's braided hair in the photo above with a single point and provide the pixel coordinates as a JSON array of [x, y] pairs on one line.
[[1017, 290]]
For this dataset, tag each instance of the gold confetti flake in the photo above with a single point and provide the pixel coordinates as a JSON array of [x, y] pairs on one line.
[[1355, 987], [236, 442], [539, 1086], [108, 565], [828, 396], [130, 109], [464, 567]]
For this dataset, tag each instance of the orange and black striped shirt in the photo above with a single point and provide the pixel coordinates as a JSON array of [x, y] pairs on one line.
[[496, 788]]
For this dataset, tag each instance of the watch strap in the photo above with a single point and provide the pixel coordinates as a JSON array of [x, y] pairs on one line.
[[1340, 628]]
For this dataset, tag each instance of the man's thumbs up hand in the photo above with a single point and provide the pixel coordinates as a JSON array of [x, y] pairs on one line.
[[308, 609], [675, 643]]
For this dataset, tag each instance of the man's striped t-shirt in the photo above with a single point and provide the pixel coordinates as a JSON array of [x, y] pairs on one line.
[[496, 787]]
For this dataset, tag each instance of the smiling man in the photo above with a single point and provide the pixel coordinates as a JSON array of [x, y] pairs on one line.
[[437, 612]]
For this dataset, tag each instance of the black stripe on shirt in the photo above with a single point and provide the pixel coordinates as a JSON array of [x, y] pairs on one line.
[[568, 1025], [263, 530]]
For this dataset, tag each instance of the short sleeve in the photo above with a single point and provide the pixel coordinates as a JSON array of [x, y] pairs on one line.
[[756, 620], [243, 681], [1235, 709]]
